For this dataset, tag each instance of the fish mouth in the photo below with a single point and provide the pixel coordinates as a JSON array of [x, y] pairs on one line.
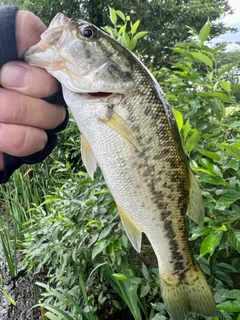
[[100, 94]]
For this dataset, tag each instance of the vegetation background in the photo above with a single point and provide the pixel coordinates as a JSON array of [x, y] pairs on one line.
[[59, 222]]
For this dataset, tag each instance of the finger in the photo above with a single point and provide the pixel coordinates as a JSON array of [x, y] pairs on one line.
[[28, 30], [32, 81], [21, 141], [17, 108]]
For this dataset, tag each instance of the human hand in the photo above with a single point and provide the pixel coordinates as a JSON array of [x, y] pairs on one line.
[[24, 117]]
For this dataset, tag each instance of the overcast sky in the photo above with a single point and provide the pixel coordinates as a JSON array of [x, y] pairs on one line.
[[234, 21], [235, 4]]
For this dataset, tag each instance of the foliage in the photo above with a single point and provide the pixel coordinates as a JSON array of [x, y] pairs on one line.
[[123, 33], [202, 91], [165, 20]]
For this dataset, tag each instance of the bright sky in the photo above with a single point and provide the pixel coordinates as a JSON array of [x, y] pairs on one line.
[[235, 4]]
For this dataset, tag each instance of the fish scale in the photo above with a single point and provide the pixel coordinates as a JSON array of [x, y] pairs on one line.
[[128, 128]]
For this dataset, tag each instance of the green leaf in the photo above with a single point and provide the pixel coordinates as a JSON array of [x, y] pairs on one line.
[[209, 154], [179, 118], [203, 58], [231, 151], [229, 197], [119, 276], [228, 67], [113, 16], [144, 291], [126, 39], [121, 15], [204, 32], [192, 141], [232, 294], [135, 27], [230, 306], [140, 35], [234, 236], [210, 242], [225, 85], [122, 29], [218, 95]]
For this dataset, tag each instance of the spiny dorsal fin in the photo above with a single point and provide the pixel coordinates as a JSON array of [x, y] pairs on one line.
[[118, 124], [88, 157], [133, 231], [196, 205]]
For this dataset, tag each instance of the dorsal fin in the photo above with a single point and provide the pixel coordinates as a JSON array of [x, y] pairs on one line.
[[88, 157], [133, 231]]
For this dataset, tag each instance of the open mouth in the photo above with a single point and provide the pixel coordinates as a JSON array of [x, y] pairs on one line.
[[100, 94]]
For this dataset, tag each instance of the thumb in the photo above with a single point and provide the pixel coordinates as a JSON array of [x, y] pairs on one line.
[[31, 81], [28, 30]]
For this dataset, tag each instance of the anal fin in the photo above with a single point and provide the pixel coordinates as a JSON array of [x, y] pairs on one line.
[[133, 231]]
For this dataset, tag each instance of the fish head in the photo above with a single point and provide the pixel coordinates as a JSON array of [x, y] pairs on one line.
[[82, 57]]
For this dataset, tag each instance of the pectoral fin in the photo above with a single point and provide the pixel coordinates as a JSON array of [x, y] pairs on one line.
[[88, 157], [196, 205], [118, 124], [133, 231]]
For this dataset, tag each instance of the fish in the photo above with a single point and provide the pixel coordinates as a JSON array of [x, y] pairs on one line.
[[128, 130]]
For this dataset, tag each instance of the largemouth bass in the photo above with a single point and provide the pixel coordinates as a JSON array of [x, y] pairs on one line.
[[128, 128]]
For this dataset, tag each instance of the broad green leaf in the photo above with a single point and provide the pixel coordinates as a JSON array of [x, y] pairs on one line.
[[113, 16], [230, 306], [229, 197], [225, 85], [209, 154], [231, 151], [203, 58], [204, 32], [218, 95], [234, 236], [192, 141], [99, 247], [122, 29], [179, 118], [232, 294], [120, 14], [140, 35], [231, 110], [144, 290], [210, 242]]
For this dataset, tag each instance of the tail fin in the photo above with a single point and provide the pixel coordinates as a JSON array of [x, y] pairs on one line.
[[191, 293]]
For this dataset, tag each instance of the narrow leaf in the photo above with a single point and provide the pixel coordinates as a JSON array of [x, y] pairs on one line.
[[179, 118], [135, 27], [204, 32], [113, 16], [228, 67]]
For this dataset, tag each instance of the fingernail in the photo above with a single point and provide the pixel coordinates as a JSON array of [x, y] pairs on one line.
[[15, 75]]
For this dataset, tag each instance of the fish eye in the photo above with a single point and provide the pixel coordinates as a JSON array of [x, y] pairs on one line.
[[89, 32]]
